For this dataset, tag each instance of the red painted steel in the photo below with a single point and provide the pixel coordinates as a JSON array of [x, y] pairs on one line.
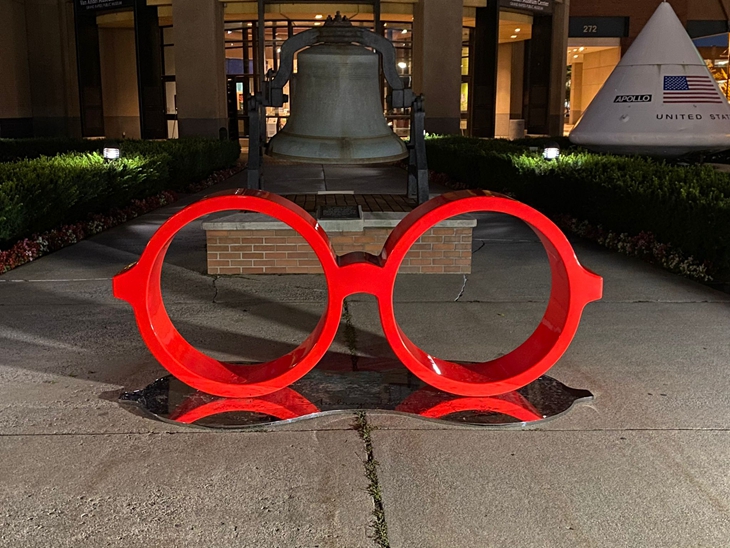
[[573, 286]]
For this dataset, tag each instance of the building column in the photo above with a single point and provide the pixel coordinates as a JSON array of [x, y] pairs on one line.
[[518, 81], [437, 37], [16, 110], [503, 106], [200, 67], [576, 93], [482, 103], [120, 98], [558, 67], [52, 66]]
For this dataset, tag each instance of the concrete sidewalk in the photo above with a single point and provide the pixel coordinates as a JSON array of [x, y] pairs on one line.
[[647, 464]]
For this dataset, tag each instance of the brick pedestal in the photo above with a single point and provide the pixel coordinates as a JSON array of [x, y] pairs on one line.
[[249, 243]]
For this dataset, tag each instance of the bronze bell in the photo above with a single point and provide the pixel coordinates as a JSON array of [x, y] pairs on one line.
[[336, 113]]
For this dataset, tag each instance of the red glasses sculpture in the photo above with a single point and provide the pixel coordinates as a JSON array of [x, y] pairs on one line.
[[573, 287]]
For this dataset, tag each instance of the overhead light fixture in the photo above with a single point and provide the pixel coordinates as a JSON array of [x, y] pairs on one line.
[[317, 24], [518, 30], [404, 31], [403, 65], [581, 48], [513, 36], [575, 56]]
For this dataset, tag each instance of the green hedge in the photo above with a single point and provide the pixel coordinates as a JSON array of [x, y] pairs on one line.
[[40, 193], [12, 150], [191, 158], [687, 206]]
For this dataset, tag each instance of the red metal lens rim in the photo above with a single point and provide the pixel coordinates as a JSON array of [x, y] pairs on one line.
[[573, 287], [140, 286]]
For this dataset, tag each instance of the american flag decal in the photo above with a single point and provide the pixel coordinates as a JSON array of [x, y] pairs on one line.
[[691, 89]]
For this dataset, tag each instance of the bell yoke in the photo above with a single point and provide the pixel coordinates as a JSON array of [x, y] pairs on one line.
[[573, 287]]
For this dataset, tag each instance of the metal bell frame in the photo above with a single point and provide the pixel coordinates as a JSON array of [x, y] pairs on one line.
[[339, 30]]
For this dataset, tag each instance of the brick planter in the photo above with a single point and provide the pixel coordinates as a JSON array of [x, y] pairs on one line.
[[249, 243]]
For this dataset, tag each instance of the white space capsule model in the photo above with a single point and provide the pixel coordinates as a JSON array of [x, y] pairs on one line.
[[660, 100]]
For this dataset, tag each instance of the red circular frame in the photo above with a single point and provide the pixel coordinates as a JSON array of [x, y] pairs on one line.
[[573, 287]]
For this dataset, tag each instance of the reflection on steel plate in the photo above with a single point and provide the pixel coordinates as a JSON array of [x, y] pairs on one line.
[[375, 385]]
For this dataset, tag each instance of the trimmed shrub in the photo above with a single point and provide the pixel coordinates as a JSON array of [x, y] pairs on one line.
[[687, 206], [191, 159], [36, 195], [12, 150], [40, 193]]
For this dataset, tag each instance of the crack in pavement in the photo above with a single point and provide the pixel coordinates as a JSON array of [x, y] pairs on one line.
[[463, 288], [379, 525], [215, 288]]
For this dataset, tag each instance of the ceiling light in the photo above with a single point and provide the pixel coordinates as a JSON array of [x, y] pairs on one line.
[[402, 65], [404, 31], [575, 57], [318, 16], [513, 36], [518, 30], [581, 49]]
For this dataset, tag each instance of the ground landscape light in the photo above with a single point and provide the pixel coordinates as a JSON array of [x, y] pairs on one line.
[[111, 153], [551, 151]]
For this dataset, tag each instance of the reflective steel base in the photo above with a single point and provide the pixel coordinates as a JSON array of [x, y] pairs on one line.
[[372, 385]]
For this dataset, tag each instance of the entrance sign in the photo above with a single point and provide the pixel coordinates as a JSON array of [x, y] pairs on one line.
[[573, 287], [540, 6], [660, 100]]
